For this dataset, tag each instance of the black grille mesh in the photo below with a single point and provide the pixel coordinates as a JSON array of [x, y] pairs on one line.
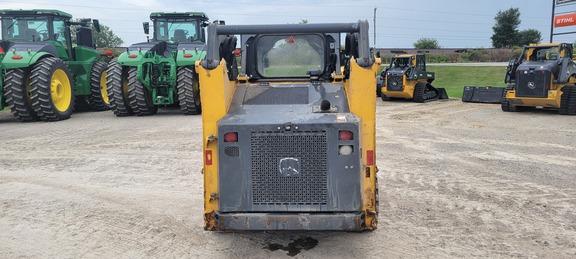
[[394, 83], [270, 187]]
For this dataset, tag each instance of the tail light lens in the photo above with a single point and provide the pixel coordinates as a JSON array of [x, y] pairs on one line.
[[345, 135], [133, 56], [17, 57], [231, 137], [188, 55]]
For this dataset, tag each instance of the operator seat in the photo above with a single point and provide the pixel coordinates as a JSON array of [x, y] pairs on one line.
[[180, 35], [31, 35]]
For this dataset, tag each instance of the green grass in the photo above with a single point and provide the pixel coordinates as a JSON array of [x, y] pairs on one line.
[[454, 78]]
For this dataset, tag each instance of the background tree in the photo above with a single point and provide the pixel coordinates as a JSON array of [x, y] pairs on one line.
[[426, 43], [528, 36], [506, 28], [103, 39]]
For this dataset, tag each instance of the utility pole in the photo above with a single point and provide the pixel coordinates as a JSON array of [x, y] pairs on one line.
[[552, 22], [375, 26]]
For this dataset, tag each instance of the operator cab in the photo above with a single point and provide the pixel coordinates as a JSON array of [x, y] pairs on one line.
[[33, 26], [178, 27]]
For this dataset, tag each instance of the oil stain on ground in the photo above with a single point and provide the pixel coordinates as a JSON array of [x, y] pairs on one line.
[[295, 247]]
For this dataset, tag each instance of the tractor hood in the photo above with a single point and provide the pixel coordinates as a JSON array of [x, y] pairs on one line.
[[553, 66], [33, 47], [547, 65], [397, 71], [158, 47]]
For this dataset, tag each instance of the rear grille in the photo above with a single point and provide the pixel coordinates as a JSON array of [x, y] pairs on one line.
[[394, 83], [533, 84], [272, 186]]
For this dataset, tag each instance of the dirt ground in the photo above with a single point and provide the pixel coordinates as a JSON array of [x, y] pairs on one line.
[[456, 180]]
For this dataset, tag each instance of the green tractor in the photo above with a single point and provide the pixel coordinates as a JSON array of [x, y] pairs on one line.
[[43, 73], [160, 71]]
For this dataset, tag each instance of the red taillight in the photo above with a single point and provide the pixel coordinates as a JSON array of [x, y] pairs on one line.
[[345, 135], [1, 50], [208, 157], [231, 137], [108, 52], [236, 52], [133, 56], [369, 157], [188, 55], [17, 57]]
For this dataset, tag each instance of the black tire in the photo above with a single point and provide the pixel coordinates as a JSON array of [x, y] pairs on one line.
[[419, 91], [52, 90], [568, 101], [17, 94], [117, 88], [139, 97], [505, 104], [98, 99], [188, 91]]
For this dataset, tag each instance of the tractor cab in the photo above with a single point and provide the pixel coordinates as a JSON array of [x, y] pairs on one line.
[[34, 26], [45, 28], [178, 27]]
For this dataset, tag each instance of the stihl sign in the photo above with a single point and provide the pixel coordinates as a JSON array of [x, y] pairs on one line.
[[565, 20]]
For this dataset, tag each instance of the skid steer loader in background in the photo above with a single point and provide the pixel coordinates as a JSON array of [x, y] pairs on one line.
[[407, 78], [43, 73], [160, 72], [543, 76], [289, 142]]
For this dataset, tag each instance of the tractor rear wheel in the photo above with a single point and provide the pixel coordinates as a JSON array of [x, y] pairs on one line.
[[139, 97], [117, 89], [98, 99], [568, 101], [52, 91], [188, 91], [419, 91], [505, 104], [17, 94]]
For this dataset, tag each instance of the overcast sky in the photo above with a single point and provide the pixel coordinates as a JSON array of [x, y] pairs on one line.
[[399, 23]]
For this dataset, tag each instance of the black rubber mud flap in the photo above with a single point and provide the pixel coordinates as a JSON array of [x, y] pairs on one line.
[[442, 94], [482, 94]]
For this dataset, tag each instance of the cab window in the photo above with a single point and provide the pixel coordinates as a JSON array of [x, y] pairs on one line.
[[289, 55]]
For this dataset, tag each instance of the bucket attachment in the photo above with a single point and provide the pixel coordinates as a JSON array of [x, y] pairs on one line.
[[442, 94], [482, 94]]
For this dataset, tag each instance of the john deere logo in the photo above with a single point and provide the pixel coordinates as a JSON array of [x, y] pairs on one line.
[[531, 85], [289, 166]]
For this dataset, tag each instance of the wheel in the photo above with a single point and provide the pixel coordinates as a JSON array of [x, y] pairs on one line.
[[51, 90], [17, 94], [419, 91], [139, 97], [505, 104], [568, 101], [98, 99], [117, 89], [188, 91]]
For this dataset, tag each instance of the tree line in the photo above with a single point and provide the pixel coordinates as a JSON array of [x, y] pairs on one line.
[[505, 33]]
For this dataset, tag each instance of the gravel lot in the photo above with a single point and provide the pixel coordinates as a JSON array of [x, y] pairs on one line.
[[456, 180]]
